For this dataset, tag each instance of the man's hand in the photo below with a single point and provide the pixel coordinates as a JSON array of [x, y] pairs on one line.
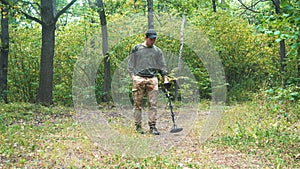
[[166, 83]]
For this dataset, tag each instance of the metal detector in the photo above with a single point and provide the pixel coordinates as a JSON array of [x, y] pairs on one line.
[[175, 129]]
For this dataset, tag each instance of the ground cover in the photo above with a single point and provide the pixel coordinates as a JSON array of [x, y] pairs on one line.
[[33, 136]]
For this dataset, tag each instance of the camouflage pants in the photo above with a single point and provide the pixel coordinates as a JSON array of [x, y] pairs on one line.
[[140, 86]]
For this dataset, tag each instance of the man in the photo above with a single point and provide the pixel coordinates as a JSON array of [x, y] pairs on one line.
[[145, 62]]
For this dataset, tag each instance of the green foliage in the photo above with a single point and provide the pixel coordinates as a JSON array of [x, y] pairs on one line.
[[113, 7], [23, 65], [69, 45], [179, 6], [24, 62], [249, 60], [193, 62], [246, 65], [285, 26]]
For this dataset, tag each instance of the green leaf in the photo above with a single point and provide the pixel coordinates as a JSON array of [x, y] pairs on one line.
[[286, 15], [276, 32]]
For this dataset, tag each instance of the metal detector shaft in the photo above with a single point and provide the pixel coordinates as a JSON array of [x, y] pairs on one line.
[[174, 129], [170, 106]]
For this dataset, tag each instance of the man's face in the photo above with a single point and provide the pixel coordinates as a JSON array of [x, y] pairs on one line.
[[150, 41]]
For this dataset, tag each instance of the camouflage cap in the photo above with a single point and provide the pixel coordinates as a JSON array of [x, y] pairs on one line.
[[151, 33]]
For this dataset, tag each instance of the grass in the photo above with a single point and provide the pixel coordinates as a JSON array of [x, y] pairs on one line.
[[250, 135], [256, 129]]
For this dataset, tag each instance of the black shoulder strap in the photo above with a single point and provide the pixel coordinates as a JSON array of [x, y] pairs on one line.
[[136, 48]]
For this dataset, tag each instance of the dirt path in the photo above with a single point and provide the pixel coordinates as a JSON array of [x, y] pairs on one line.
[[184, 146]]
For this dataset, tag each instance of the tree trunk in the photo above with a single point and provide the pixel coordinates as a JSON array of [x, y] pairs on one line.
[[177, 84], [49, 17], [4, 55], [298, 65], [214, 5], [150, 15], [276, 4], [223, 4], [134, 4], [107, 77], [282, 55], [91, 5], [47, 52]]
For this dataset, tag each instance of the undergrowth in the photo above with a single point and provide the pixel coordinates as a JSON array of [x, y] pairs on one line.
[[267, 127]]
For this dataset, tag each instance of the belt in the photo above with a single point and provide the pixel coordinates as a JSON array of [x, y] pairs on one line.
[[149, 76]]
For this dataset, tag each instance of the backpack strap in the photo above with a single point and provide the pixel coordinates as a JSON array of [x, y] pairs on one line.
[[136, 48]]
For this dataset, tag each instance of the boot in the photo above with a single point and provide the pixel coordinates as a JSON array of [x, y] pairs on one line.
[[139, 129], [153, 130]]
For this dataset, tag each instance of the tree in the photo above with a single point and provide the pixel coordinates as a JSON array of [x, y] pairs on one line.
[[104, 51], [180, 55], [150, 15], [214, 5], [276, 4], [4, 52], [282, 48], [49, 17]]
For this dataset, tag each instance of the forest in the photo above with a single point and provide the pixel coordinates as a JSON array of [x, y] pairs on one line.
[[65, 93]]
